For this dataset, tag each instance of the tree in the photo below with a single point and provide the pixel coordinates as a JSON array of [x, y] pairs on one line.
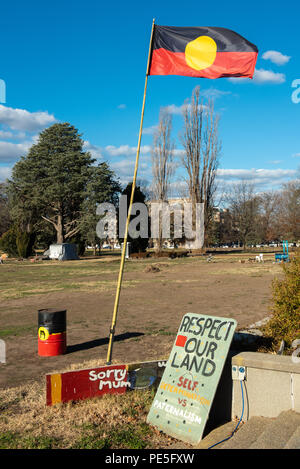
[[51, 181], [162, 157], [202, 152], [244, 207], [140, 243], [162, 164], [102, 187], [5, 219], [268, 216], [223, 232], [289, 211]]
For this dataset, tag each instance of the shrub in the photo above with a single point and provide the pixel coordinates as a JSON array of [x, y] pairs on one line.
[[22, 242], [8, 243], [285, 321], [17, 243]]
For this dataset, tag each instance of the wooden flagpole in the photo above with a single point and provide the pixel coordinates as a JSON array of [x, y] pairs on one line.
[[116, 304]]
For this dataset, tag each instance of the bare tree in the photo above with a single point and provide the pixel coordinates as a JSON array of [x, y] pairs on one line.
[[244, 207], [162, 163], [267, 227], [202, 146], [162, 157], [289, 211]]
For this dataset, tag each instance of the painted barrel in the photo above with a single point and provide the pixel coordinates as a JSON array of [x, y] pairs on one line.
[[52, 332]]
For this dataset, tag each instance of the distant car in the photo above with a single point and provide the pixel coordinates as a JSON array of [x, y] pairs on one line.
[[106, 246]]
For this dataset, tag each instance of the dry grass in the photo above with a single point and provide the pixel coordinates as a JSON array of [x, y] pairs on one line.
[[108, 422], [246, 269], [27, 279]]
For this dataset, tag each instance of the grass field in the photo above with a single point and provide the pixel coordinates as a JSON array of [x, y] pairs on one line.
[[152, 304]]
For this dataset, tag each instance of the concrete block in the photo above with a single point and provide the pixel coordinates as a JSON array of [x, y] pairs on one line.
[[272, 385], [295, 383], [266, 394]]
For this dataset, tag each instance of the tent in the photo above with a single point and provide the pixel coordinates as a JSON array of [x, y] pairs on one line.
[[62, 252]]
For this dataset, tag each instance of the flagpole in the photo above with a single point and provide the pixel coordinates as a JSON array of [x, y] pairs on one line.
[[116, 304]]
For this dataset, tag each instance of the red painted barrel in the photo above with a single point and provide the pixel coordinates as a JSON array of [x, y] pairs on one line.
[[52, 335]]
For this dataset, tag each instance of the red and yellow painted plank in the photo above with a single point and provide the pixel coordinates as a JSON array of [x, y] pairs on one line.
[[95, 382]]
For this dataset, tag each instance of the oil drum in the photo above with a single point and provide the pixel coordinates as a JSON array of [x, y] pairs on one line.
[[52, 332]]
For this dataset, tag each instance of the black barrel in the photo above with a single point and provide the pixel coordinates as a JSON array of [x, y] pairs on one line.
[[52, 332]]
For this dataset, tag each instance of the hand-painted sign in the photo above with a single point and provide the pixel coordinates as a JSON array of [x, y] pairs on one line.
[[93, 382], [187, 388]]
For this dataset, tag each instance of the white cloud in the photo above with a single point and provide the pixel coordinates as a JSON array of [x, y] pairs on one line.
[[5, 173], [244, 173], [267, 178], [268, 76], [8, 135], [276, 57], [20, 119], [296, 155], [124, 169], [150, 130], [10, 152], [261, 76], [122, 106], [178, 152], [173, 109], [94, 150], [213, 93], [126, 150], [275, 161], [178, 110]]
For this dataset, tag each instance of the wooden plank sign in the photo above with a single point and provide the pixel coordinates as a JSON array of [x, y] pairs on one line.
[[95, 382], [188, 385]]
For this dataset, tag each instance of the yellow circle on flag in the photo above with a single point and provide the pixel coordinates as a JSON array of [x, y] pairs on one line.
[[201, 52], [43, 333]]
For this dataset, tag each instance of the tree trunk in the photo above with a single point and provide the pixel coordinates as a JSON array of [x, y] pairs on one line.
[[60, 230]]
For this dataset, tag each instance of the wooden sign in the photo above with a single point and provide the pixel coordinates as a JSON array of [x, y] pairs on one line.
[[188, 386], [95, 382]]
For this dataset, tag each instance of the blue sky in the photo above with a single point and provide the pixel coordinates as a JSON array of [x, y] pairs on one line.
[[85, 62]]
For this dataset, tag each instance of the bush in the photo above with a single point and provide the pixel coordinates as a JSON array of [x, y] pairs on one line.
[[17, 243], [22, 242], [8, 243], [285, 321]]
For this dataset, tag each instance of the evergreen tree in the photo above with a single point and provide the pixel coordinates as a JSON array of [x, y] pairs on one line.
[[51, 182], [139, 244], [102, 187]]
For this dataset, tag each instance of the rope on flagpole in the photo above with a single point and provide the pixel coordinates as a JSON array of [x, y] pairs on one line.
[[120, 277]]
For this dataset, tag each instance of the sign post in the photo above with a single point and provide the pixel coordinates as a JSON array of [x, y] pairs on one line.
[[124, 247], [184, 397]]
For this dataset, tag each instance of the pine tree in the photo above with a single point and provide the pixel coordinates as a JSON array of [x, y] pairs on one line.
[[50, 182]]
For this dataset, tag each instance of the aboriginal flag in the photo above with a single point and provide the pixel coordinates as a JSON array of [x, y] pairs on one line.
[[201, 52]]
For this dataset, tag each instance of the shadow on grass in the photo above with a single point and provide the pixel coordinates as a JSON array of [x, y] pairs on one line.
[[99, 342]]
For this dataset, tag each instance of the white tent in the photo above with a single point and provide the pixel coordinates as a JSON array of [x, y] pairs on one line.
[[62, 252]]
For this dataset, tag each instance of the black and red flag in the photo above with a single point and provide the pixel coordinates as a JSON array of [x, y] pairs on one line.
[[206, 52]]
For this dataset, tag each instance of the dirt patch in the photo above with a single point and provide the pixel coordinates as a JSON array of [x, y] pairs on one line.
[[153, 268], [150, 310]]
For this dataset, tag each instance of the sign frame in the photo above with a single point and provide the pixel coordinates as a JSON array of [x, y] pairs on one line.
[[189, 383]]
